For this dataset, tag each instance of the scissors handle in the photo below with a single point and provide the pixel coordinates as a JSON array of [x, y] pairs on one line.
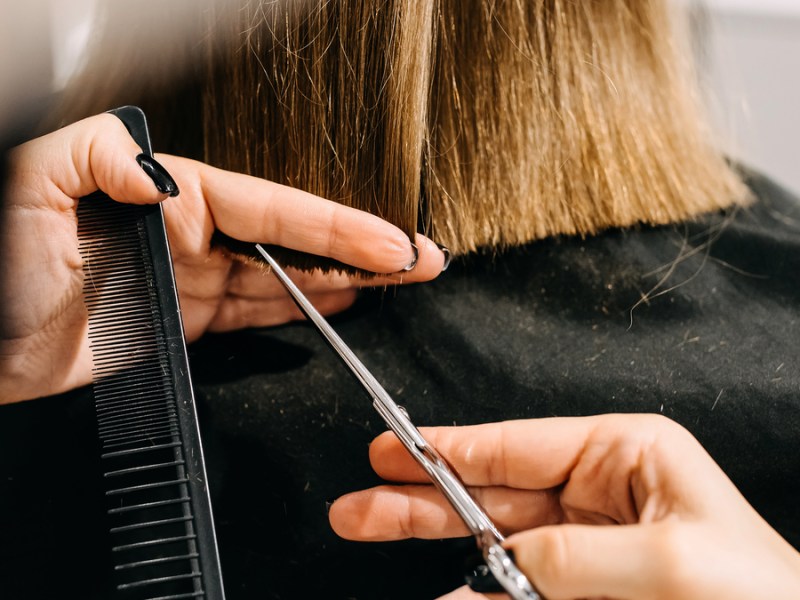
[[398, 421]]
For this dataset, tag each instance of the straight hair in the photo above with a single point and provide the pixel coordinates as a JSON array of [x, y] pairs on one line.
[[482, 123]]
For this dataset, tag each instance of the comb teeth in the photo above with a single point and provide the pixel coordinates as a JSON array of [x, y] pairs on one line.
[[149, 490]]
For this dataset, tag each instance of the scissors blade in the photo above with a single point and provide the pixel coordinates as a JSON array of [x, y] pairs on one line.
[[396, 418]]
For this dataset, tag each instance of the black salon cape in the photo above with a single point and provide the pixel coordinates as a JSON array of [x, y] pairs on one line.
[[699, 322]]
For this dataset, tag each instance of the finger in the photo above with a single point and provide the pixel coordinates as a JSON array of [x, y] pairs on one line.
[[431, 263], [95, 153], [238, 313], [464, 593], [578, 561], [529, 454], [542, 453], [401, 512], [255, 210], [110, 149]]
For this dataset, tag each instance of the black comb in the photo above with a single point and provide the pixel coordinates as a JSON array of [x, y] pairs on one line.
[[159, 509]]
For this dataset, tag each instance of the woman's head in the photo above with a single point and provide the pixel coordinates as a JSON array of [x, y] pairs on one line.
[[484, 123]]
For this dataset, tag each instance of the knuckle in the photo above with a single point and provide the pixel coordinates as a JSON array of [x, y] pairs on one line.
[[644, 430], [672, 550], [334, 302], [333, 239], [408, 519], [554, 560]]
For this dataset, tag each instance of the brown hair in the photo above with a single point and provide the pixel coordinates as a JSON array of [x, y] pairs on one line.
[[482, 123]]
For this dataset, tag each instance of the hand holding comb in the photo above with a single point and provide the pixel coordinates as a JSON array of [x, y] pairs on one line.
[[159, 509]]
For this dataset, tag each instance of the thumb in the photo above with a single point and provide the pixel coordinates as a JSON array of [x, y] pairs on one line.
[[99, 153], [579, 561]]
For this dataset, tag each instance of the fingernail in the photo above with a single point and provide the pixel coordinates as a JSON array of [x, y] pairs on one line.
[[479, 577], [413, 263], [447, 256], [155, 171]]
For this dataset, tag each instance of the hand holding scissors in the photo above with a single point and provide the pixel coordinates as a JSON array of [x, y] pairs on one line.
[[487, 536]]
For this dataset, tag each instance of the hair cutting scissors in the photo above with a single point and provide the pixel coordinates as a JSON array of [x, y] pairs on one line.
[[488, 538]]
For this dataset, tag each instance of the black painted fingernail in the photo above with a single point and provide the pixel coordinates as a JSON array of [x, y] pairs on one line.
[[155, 171], [479, 577], [328, 504], [413, 263], [447, 256]]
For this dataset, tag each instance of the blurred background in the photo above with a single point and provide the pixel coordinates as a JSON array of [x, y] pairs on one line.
[[749, 52], [752, 61]]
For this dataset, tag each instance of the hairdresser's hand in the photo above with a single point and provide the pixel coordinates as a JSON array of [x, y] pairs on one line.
[[615, 506], [219, 294], [43, 342]]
